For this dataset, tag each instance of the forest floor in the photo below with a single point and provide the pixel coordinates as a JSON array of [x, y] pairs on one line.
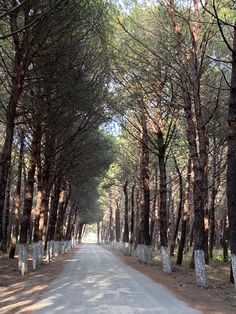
[[219, 298], [18, 292]]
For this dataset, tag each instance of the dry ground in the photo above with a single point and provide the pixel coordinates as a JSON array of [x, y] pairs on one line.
[[19, 293], [219, 298]]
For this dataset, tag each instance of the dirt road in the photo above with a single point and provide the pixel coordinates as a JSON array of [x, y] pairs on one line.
[[96, 281]]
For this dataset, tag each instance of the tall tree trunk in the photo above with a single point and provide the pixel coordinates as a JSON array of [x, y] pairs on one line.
[[126, 215], [46, 189], [6, 214], [144, 186], [49, 243], [15, 231], [98, 232], [60, 218], [53, 209], [117, 221], [180, 208], [231, 160], [80, 231], [70, 222], [132, 216], [111, 231], [154, 209], [213, 198], [39, 189], [163, 206], [5, 157], [137, 220], [28, 201], [225, 238], [37, 244], [185, 216]]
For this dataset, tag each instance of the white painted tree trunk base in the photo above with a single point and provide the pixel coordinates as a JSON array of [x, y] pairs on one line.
[[165, 258], [144, 254], [126, 248], [66, 246], [23, 258], [50, 251], [233, 262], [62, 247], [56, 248], [40, 252], [199, 260], [35, 255]]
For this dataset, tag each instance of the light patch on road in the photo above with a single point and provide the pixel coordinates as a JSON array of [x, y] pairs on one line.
[[98, 282]]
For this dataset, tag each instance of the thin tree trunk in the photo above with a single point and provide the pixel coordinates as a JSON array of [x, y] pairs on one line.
[[225, 238], [117, 218], [137, 221], [53, 209], [6, 214], [98, 232], [213, 198], [132, 216], [28, 201], [71, 220], [180, 209], [231, 160], [111, 231], [154, 209], [144, 186], [185, 216], [15, 231], [80, 231], [163, 208], [46, 189], [126, 215], [60, 219]]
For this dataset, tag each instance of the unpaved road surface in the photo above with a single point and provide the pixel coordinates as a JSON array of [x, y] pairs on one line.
[[96, 281]]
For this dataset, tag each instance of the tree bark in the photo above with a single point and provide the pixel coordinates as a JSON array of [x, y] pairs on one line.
[[29, 187], [154, 209], [180, 209], [61, 213], [185, 216], [231, 159], [126, 215], [111, 231], [144, 186], [132, 216], [98, 232], [214, 190], [15, 229], [5, 157], [37, 211], [53, 209], [6, 214], [117, 218], [46, 188]]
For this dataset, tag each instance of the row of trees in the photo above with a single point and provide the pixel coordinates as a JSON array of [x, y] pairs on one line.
[[171, 72], [54, 71]]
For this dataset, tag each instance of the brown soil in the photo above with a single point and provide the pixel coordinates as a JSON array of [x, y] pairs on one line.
[[220, 298], [17, 292]]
